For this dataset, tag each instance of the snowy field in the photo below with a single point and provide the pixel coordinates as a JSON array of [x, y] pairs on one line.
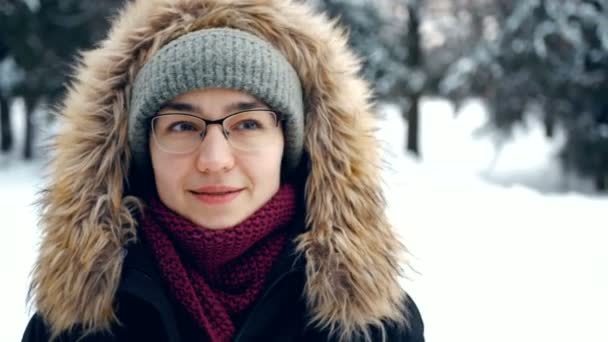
[[506, 247]]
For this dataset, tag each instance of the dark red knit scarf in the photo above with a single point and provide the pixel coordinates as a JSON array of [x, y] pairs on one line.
[[217, 274]]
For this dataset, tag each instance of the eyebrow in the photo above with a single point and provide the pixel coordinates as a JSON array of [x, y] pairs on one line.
[[231, 107]]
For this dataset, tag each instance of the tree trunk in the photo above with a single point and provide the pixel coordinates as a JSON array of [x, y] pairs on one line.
[[415, 63], [413, 145], [549, 123], [6, 133], [477, 26], [28, 146], [600, 183]]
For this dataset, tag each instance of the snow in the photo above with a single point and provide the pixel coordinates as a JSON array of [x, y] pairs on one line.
[[504, 247], [18, 185], [496, 262]]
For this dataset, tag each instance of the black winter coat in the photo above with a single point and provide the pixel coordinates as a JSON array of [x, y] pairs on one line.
[[148, 313]]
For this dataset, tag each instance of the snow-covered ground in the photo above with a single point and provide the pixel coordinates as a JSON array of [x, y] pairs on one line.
[[503, 250], [497, 262], [18, 185]]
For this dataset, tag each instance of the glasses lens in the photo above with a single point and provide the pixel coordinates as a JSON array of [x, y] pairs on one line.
[[252, 129], [177, 133]]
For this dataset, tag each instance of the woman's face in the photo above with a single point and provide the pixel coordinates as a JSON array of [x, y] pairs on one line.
[[216, 185]]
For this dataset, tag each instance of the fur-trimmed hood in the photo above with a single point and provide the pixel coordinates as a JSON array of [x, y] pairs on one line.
[[352, 255]]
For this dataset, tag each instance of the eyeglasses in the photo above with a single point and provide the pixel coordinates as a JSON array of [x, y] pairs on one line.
[[245, 130]]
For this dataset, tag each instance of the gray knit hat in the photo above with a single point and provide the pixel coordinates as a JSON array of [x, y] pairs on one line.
[[217, 58]]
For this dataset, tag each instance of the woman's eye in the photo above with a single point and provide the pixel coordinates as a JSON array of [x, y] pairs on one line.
[[248, 125], [183, 127]]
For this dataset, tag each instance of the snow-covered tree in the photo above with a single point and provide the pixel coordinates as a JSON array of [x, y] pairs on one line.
[[39, 41], [386, 34], [552, 56], [407, 45]]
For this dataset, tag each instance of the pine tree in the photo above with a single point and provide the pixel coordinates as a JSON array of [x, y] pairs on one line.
[[553, 56], [386, 35], [43, 41]]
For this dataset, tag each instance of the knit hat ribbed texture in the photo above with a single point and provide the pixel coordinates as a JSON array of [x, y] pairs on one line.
[[217, 58]]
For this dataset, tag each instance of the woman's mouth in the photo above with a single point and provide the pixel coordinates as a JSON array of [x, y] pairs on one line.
[[215, 195]]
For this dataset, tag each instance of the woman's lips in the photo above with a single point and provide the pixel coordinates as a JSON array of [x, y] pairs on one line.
[[216, 194]]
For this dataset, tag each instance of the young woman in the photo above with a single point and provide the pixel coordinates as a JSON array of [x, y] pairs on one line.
[[216, 179]]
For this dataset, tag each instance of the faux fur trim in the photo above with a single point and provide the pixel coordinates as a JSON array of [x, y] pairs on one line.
[[352, 255]]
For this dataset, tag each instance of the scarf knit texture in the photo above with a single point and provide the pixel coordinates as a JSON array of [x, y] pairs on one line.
[[218, 274]]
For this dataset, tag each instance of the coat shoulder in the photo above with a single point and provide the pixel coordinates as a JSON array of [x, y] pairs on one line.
[[137, 321], [36, 330], [414, 330], [411, 331]]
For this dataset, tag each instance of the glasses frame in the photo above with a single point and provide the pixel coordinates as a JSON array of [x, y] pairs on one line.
[[279, 117]]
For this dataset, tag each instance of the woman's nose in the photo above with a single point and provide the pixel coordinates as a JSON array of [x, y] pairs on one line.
[[215, 153]]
